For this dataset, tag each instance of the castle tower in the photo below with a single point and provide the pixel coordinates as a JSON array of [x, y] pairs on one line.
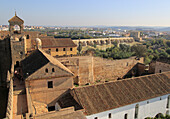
[[14, 22]]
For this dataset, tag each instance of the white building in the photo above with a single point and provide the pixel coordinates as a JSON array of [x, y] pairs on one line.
[[134, 98], [140, 110]]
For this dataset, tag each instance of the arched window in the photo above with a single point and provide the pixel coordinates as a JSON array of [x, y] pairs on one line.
[[110, 115], [71, 49], [16, 28], [96, 118], [17, 64], [126, 116], [168, 101], [64, 49], [160, 71], [136, 111], [46, 70], [53, 70], [159, 115], [28, 36], [56, 49]]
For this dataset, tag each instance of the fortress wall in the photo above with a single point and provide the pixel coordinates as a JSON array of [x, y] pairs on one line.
[[88, 69], [105, 69]]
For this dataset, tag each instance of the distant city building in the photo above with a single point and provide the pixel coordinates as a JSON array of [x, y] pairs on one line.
[[136, 35]]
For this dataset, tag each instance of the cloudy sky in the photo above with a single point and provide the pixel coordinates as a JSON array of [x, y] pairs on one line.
[[88, 12]]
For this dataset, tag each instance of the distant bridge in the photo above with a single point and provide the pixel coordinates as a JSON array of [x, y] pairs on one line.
[[103, 41]]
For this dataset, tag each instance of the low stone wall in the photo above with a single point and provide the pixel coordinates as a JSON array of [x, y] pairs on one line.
[[55, 113], [161, 67], [31, 109], [9, 111], [158, 67]]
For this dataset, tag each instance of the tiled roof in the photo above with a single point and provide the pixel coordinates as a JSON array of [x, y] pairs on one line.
[[37, 60], [51, 42], [16, 19], [102, 97], [56, 42]]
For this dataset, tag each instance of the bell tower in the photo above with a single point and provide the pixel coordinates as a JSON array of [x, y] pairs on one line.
[[15, 21]]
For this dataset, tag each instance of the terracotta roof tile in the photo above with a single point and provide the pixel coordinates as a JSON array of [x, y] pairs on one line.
[[102, 97], [16, 19], [50, 42], [37, 60]]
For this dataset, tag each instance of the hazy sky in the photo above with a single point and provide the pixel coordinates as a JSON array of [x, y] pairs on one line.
[[88, 12]]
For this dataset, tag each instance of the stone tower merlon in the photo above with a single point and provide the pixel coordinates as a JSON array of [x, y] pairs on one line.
[[16, 21]]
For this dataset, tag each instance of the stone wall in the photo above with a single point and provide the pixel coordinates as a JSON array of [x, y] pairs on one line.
[[161, 67], [17, 50], [61, 52], [9, 111], [53, 114], [102, 41], [5, 59], [88, 69], [40, 92], [158, 67], [105, 70]]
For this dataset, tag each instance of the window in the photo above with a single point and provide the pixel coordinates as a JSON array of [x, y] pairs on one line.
[[125, 116], [56, 49], [52, 108], [64, 49], [17, 64], [96, 118], [28, 36], [46, 70], [110, 115], [127, 64], [71, 49], [160, 71], [53, 70], [50, 84], [168, 101], [21, 53], [136, 111]]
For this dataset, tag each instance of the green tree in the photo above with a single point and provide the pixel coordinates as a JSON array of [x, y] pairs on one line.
[[168, 51], [139, 50], [147, 60], [168, 43]]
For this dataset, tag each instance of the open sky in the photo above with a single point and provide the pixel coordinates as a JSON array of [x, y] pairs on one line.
[[88, 12]]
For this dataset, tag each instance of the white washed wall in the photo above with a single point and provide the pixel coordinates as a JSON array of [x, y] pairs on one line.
[[151, 109]]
